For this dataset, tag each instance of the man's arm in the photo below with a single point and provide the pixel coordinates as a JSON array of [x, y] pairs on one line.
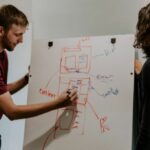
[[14, 112], [19, 84]]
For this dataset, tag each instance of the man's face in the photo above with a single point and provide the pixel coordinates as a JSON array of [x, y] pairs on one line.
[[13, 37]]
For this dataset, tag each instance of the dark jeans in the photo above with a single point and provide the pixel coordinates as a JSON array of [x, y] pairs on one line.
[[0, 142]]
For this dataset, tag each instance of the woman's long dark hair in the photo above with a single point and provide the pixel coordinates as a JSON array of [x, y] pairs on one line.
[[142, 37]]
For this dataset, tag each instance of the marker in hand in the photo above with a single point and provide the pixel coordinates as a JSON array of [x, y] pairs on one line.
[[68, 92], [72, 95]]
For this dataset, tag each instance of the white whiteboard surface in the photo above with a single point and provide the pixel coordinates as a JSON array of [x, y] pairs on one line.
[[102, 69]]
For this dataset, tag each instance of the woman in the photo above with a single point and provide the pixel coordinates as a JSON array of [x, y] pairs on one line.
[[142, 41]]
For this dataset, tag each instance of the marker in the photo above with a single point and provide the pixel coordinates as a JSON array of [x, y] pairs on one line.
[[68, 91]]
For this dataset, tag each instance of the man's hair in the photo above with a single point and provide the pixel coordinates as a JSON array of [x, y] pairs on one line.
[[142, 37], [9, 15]]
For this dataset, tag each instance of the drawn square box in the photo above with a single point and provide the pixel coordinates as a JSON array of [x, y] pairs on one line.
[[83, 62], [70, 63]]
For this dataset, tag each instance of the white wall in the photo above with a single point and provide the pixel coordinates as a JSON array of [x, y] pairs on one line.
[[71, 18]]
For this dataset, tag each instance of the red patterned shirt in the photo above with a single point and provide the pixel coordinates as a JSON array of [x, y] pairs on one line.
[[3, 73]]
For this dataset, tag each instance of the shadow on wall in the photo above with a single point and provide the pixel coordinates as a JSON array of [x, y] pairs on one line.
[[61, 127]]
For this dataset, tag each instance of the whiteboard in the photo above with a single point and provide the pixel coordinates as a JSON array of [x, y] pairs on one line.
[[101, 68]]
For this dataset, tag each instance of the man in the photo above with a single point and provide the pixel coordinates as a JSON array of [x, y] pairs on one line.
[[13, 24]]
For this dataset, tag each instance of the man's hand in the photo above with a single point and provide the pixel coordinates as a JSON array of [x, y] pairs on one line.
[[67, 98]]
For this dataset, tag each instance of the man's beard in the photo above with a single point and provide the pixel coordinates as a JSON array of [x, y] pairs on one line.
[[6, 43]]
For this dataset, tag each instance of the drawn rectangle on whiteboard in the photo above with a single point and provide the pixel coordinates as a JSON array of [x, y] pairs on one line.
[[102, 72]]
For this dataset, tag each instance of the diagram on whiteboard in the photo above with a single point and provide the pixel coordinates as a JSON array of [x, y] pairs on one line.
[[95, 66]]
